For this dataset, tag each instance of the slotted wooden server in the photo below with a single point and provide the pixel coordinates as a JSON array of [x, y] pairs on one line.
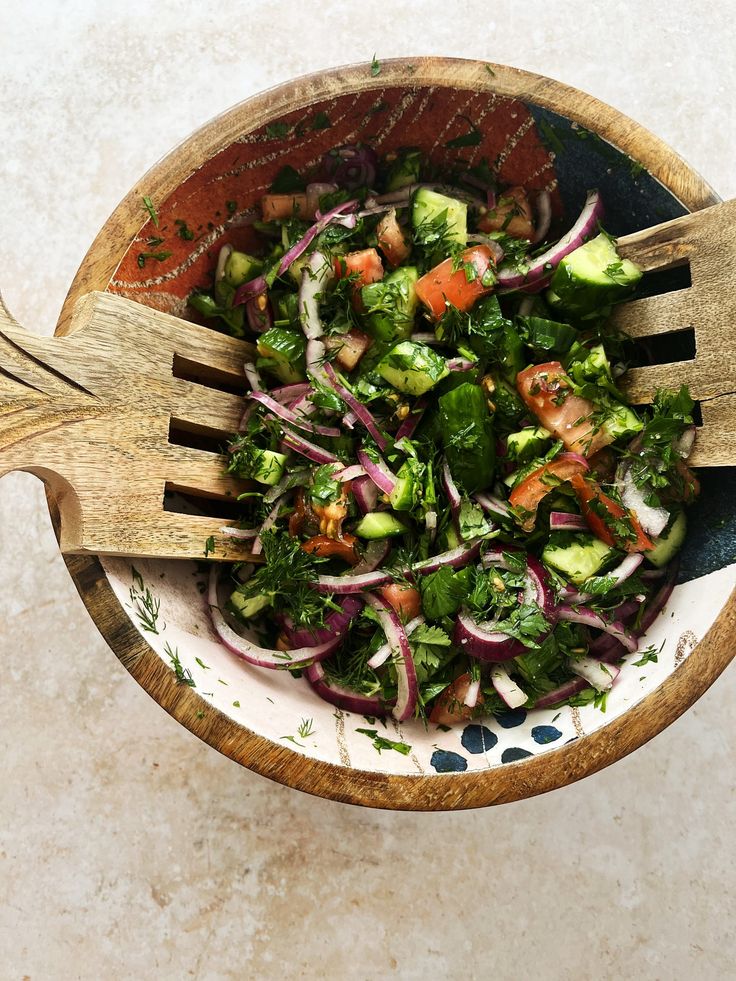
[[91, 413]]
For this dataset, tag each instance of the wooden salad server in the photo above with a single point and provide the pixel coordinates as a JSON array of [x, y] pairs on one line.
[[94, 413]]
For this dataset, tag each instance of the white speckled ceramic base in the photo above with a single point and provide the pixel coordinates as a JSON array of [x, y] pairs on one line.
[[280, 707]]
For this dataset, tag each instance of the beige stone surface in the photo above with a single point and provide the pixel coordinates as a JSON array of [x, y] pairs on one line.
[[130, 850]]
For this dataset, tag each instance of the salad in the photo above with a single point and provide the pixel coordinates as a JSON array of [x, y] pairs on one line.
[[455, 509]]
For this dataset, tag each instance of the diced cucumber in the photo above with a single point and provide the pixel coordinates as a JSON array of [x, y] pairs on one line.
[[249, 606], [412, 368], [391, 304], [467, 434], [408, 486], [527, 443], [431, 209], [379, 524], [282, 354], [547, 335], [240, 267], [622, 421], [669, 542], [588, 364], [591, 278], [509, 407], [579, 558], [269, 467], [405, 169]]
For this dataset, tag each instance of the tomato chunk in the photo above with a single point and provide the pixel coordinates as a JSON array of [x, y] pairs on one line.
[[548, 392], [365, 265], [333, 548], [607, 519], [276, 206], [512, 215], [391, 239], [461, 287], [450, 705], [525, 497], [350, 347], [406, 600]]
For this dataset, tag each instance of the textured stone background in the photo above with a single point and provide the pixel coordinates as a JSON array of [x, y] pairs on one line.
[[127, 848]]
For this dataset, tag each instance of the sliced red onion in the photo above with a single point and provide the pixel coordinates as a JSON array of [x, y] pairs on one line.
[[403, 195], [270, 521], [349, 419], [651, 574], [318, 272], [350, 473], [261, 656], [562, 521], [288, 415], [538, 589], [486, 644], [341, 697], [312, 452], [621, 573], [258, 285], [316, 191], [375, 553], [224, 254], [607, 648], [507, 688], [460, 364], [258, 313], [357, 407], [597, 673], [541, 267], [453, 494], [384, 651], [471, 695], [652, 520], [430, 523], [408, 426], [426, 337], [456, 558], [254, 379], [336, 622], [351, 166], [588, 617], [566, 690], [658, 601], [492, 244], [493, 505], [243, 533], [289, 480], [378, 472], [544, 216], [287, 394], [365, 493], [406, 674]]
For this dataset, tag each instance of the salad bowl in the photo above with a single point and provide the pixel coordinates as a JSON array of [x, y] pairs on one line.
[[162, 242]]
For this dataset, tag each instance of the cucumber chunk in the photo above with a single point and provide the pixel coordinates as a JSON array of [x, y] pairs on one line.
[[579, 558], [379, 524], [249, 606], [467, 434], [405, 169], [282, 354], [240, 267], [432, 209], [592, 278], [391, 304], [669, 542], [527, 443], [412, 368]]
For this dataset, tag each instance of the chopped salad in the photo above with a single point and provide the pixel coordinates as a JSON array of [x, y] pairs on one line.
[[455, 509]]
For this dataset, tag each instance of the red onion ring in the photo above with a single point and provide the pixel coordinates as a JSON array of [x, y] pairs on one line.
[[379, 472], [384, 651], [486, 645], [560, 694], [257, 546], [408, 426], [288, 415], [590, 618], [312, 452], [544, 216], [365, 493], [493, 505], [562, 521], [507, 688], [357, 407], [406, 674], [343, 698], [596, 673], [335, 623]]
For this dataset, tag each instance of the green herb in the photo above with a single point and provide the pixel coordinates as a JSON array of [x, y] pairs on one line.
[[232, 207], [650, 655], [184, 231], [375, 67], [443, 592], [472, 138], [321, 121], [201, 663], [306, 728], [287, 181], [292, 739], [325, 488], [431, 649], [276, 131], [381, 743], [551, 136], [490, 71], [236, 704], [183, 675], [209, 545], [148, 204], [526, 623], [153, 243], [145, 605], [158, 256]]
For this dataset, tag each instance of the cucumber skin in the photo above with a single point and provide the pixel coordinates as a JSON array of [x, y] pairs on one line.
[[578, 560], [412, 368], [583, 296], [464, 407], [667, 546], [379, 524], [429, 205]]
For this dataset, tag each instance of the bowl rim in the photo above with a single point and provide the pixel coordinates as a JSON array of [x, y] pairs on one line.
[[422, 792]]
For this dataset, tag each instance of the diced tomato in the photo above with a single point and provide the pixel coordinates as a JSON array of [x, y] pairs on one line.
[[302, 515], [406, 600], [366, 265], [532, 489], [449, 707], [391, 239], [603, 465], [275, 206], [333, 548], [607, 519], [350, 347], [512, 215], [460, 285], [547, 392]]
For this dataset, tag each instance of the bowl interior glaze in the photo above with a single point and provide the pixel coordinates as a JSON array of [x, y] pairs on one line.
[[269, 720]]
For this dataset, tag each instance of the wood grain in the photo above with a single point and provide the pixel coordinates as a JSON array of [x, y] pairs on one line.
[[526, 778]]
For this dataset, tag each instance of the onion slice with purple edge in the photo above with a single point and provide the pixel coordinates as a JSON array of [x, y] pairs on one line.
[[318, 273], [384, 651], [277, 409], [269, 522], [258, 285], [350, 473], [450, 487], [407, 427], [493, 505], [258, 313], [252, 376], [262, 657], [243, 533], [365, 493], [597, 673], [460, 364], [563, 521], [426, 337], [356, 406], [336, 622], [379, 472], [560, 694], [658, 601], [485, 644], [288, 393], [589, 618], [343, 698], [480, 239], [472, 693], [541, 267], [311, 451], [537, 588], [406, 674], [544, 216], [507, 688]]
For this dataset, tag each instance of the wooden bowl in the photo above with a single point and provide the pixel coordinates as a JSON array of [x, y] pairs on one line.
[[536, 132]]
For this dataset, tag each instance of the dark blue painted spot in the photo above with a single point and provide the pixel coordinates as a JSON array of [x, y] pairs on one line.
[[545, 734], [512, 718], [478, 739], [514, 753], [446, 762]]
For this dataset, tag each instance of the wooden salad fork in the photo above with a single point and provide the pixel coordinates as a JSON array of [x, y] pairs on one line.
[[92, 413]]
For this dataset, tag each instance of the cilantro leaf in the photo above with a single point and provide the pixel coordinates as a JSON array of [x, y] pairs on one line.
[[443, 592]]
